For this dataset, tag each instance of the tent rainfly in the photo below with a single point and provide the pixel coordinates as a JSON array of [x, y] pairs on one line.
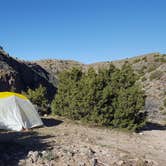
[[17, 112]]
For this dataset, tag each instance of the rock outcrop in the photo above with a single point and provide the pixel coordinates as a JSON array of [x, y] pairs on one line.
[[17, 75]]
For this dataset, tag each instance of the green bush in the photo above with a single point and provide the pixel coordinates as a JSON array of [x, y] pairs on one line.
[[109, 97], [144, 79], [161, 58], [144, 59], [136, 60], [38, 98], [128, 106]]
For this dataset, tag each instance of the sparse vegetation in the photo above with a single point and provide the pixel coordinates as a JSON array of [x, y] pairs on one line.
[[164, 113], [156, 75], [109, 97], [157, 55], [38, 97], [144, 59], [161, 108], [143, 79], [160, 59], [142, 70], [137, 60], [151, 68]]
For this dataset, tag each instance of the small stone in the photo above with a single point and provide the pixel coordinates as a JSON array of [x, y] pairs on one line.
[[30, 153], [82, 164], [141, 133], [33, 156], [90, 152], [44, 153], [121, 162]]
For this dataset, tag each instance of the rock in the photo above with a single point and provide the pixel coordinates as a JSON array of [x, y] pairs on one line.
[[30, 153], [120, 162], [45, 115], [90, 152], [81, 164], [141, 133], [33, 155], [17, 75], [70, 153]]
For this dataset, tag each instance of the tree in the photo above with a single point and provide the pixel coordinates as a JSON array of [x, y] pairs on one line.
[[38, 98], [65, 102], [110, 97], [128, 105]]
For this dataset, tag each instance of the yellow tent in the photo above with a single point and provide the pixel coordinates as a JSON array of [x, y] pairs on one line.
[[17, 112]]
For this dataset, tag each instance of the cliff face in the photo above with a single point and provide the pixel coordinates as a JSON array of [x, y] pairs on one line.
[[17, 75]]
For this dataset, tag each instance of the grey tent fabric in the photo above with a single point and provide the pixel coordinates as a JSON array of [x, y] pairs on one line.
[[17, 113]]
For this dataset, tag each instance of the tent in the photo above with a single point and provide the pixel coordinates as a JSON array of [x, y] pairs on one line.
[[17, 112]]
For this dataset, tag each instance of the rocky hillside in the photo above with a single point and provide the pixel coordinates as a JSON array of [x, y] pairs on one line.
[[16, 75], [150, 67], [19, 75]]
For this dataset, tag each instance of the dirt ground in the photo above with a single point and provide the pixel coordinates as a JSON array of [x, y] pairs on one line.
[[62, 142]]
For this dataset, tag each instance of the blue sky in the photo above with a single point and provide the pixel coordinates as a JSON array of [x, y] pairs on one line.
[[84, 30]]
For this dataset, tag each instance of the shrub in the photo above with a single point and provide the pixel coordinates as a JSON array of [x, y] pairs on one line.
[[151, 68], [144, 59], [160, 59], [144, 79], [136, 60], [38, 98], [108, 98], [157, 55], [165, 102]]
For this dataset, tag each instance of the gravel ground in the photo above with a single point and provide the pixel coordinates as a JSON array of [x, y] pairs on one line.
[[64, 143]]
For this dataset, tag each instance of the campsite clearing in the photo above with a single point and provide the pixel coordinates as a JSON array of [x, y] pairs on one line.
[[63, 142]]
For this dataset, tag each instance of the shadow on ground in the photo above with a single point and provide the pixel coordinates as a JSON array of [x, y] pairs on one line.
[[50, 122], [153, 126], [15, 146]]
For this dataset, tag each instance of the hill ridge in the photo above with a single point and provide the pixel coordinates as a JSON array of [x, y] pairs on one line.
[[18, 75]]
